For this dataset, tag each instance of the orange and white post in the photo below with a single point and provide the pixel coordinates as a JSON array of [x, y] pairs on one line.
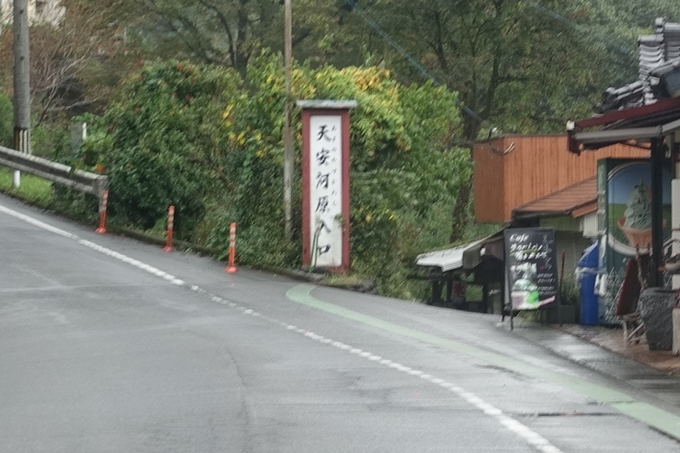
[[232, 250], [171, 226], [102, 212]]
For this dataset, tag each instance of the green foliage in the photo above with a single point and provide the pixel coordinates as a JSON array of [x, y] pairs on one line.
[[405, 175], [521, 66], [222, 32], [391, 225], [98, 142], [211, 144], [160, 144], [51, 141], [6, 121], [32, 189], [569, 292], [76, 205]]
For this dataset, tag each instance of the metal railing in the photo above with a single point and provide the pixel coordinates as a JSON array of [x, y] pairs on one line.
[[80, 180]]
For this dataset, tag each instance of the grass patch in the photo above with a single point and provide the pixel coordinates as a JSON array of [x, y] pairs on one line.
[[33, 190], [351, 282], [342, 280]]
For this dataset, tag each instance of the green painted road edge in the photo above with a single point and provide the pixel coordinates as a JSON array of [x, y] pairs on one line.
[[626, 404]]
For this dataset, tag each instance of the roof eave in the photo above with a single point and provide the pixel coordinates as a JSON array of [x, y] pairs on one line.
[[619, 135], [584, 210], [575, 211], [525, 215], [579, 140], [627, 114]]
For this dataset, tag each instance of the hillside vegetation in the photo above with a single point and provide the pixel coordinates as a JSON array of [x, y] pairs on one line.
[[184, 103]]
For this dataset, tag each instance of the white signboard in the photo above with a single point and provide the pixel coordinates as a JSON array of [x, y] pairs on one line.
[[325, 190]]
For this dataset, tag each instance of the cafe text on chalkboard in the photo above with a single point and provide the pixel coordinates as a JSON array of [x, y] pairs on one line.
[[531, 267]]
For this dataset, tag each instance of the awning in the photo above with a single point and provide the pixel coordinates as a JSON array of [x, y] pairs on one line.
[[653, 123], [490, 247], [447, 260], [463, 256], [640, 124]]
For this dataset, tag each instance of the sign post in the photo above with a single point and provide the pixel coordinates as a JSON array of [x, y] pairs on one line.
[[325, 184]]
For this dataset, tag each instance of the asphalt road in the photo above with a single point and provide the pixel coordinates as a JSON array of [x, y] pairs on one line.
[[110, 345]]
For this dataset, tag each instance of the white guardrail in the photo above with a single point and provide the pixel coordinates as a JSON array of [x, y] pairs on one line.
[[80, 180]]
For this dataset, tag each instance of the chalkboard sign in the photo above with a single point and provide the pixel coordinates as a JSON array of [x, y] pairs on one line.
[[531, 267]]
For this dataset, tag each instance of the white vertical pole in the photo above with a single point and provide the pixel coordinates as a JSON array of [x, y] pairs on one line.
[[288, 154], [22, 82], [675, 204]]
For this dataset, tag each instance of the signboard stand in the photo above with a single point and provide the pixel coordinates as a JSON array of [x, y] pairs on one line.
[[531, 270], [325, 184]]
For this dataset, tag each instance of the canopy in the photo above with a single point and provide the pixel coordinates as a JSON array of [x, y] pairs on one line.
[[448, 259], [465, 256]]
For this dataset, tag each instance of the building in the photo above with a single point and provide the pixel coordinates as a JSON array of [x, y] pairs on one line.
[[523, 181], [532, 182], [529, 180], [39, 11], [645, 112]]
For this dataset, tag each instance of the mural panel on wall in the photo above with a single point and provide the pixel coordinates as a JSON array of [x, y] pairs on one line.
[[625, 216]]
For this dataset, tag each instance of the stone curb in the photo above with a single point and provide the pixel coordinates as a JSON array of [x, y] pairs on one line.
[[365, 286], [156, 240], [294, 274]]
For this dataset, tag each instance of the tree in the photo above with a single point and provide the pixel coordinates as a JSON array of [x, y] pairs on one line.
[[202, 139], [515, 67], [209, 31], [160, 144], [229, 33], [74, 63]]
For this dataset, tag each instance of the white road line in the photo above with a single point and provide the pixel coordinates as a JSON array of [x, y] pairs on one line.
[[531, 437], [113, 254]]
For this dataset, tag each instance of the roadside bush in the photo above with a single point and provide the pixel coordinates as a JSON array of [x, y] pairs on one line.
[[6, 121], [210, 143], [51, 141], [77, 205], [569, 293], [404, 173], [160, 144]]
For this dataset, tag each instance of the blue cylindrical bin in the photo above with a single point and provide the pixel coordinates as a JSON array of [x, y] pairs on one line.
[[587, 271]]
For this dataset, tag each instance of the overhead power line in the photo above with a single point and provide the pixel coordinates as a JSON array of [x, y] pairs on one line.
[[581, 28], [605, 40], [409, 58]]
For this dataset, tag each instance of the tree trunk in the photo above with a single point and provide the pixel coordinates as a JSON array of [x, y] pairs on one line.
[[462, 215]]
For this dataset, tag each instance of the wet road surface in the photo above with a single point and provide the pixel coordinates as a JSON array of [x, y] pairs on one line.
[[110, 345]]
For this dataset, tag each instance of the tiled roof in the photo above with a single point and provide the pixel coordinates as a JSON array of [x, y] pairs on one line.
[[575, 200], [655, 51]]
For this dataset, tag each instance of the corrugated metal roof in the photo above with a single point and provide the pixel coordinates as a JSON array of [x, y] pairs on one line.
[[564, 201], [448, 260]]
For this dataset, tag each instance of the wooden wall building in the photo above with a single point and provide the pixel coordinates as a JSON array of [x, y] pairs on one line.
[[514, 170]]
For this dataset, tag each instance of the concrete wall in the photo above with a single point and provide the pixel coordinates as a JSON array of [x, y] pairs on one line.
[[573, 244]]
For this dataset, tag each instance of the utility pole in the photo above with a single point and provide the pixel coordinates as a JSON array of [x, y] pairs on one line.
[[288, 153], [22, 83]]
